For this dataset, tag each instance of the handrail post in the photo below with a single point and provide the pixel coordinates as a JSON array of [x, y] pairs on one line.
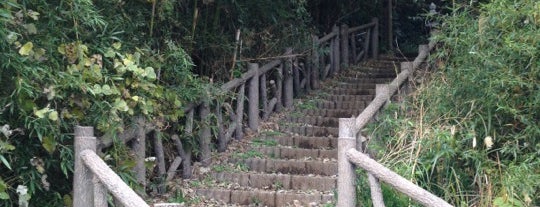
[[345, 45], [375, 39], [288, 84], [335, 52], [205, 133], [346, 183], [315, 63], [83, 188], [253, 97]]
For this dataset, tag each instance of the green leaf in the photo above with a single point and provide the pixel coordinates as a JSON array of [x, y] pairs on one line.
[[5, 13], [4, 196], [34, 15], [96, 89], [149, 72], [53, 115], [30, 28], [6, 163], [117, 45], [49, 144], [110, 53], [26, 49], [41, 113], [106, 89], [120, 105], [11, 37]]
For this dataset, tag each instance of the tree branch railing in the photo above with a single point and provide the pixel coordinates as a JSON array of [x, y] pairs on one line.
[[93, 178], [349, 157], [254, 96]]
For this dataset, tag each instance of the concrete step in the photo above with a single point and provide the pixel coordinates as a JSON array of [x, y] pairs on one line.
[[268, 198], [337, 113], [315, 120], [314, 131], [364, 80], [296, 167], [350, 91], [339, 97], [305, 142], [277, 181], [327, 104], [283, 152]]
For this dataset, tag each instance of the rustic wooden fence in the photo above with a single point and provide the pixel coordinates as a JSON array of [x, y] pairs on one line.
[[350, 152], [264, 89]]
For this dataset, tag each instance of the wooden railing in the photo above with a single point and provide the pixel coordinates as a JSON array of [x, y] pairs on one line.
[[349, 141], [93, 179], [270, 87]]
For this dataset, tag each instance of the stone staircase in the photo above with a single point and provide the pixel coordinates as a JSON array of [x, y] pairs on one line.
[[297, 165]]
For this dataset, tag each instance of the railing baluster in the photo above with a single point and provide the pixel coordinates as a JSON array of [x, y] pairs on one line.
[[253, 97]]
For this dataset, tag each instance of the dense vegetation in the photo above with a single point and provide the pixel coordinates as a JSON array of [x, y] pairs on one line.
[[104, 63], [471, 133]]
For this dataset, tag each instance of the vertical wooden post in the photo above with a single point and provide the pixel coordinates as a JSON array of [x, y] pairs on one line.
[[352, 43], [253, 97], [407, 86], [160, 157], [222, 139], [346, 183], [288, 82], [367, 44], [139, 147], [335, 49], [83, 189], [264, 96], [239, 133], [315, 63], [205, 133], [186, 155], [296, 77], [375, 39], [279, 88], [307, 74], [345, 45], [421, 49]]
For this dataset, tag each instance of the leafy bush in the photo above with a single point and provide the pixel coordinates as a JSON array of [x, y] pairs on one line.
[[57, 73], [471, 135]]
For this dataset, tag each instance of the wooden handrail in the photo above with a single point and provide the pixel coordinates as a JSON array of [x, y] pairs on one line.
[[274, 84], [114, 184], [349, 128]]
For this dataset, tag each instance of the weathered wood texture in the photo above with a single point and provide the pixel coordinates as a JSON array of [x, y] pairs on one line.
[[139, 148], [271, 87], [401, 184], [83, 192], [205, 133], [347, 129], [253, 97], [116, 186], [347, 177], [288, 91], [160, 159]]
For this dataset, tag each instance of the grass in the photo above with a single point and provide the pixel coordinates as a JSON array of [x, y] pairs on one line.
[[264, 142], [248, 154]]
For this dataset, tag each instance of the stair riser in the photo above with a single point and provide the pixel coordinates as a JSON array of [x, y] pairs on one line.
[[278, 181], [331, 113], [296, 153], [265, 198], [312, 131], [289, 166], [307, 142], [315, 121]]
